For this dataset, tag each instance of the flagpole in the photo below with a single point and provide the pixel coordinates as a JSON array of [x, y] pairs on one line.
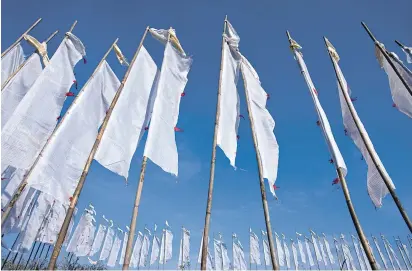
[[76, 194], [6, 211], [20, 38], [404, 251], [400, 251], [203, 262], [261, 181], [380, 254], [263, 243], [386, 55], [25, 62], [337, 251], [357, 256], [387, 251]]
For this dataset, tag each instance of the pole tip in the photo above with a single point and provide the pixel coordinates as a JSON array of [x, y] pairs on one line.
[[226, 17]]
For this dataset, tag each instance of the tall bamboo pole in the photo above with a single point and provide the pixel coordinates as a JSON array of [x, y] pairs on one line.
[[386, 55], [25, 62], [261, 181], [21, 37], [22, 185], [76, 194], [212, 165]]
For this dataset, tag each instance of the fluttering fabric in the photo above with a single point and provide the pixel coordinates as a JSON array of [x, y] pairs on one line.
[[315, 245], [266, 250], [209, 258], [121, 137], [254, 248], [161, 144], [11, 61], [34, 119], [184, 250], [219, 265], [228, 122], [309, 252], [377, 189], [287, 253], [59, 169], [145, 251], [15, 90], [166, 247], [49, 233], [358, 255], [162, 35], [82, 239], [114, 252], [347, 255], [323, 120], [120, 57], [279, 249], [41, 48], [400, 95], [408, 52], [123, 252], [264, 124], [380, 253], [330, 255], [295, 256], [323, 253], [154, 255], [301, 251], [98, 240], [13, 177], [393, 254], [239, 262], [107, 245], [137, 248]]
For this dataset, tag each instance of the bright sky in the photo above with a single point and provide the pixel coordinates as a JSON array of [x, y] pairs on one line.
[[306, 197]]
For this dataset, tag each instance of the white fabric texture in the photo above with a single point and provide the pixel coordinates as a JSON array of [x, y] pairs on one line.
[[121, 137], [154, 255], [145, 251], [34, 119], [287, 253], [408, 52], [377, 189], [264, 125], [400, 95], [123, 252], [184, 249], [15, 178], [358, 255], [162, 35], [315, 245], [394, 255], [107, 245], [310, 258], [239, 262], [82, 240], [17, 87], [330, 255], [254, 249], [301, 251], [266, 252], [199, 256], [324, 122], [137, 248], [114, 252], [161, 144], [323, 253], [279, 249], [11, 61], [53, 224], [348, 255], [231, 36], [59, 169], [98, 240], [365, 258], [295, 256], [166, 251], [218, 254], [380, 253], [229, 104], [209, 258], [225, 257]]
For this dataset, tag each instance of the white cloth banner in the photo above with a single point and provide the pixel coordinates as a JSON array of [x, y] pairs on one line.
[[17, 87], [295, 256], [166, 251], [228, 122], [380, 253], [254, 249], [107, 245], [239, 262], [62, 162], [358, 255], [324, 122], [33, 121], [114, 252], [311, 262], [98, 240], [127, 121], [11, 61], [184, 251], [82, 240], [264, 124], [145, 251], [408, 52], [394, 255], [348, 256], [137, 250], [53, 224], [301, 252], [317, 252], [323, 253], [161, 144], [218, 254], [209, 258], [279, 249], [155, 250], [123, 252], [376, 187], [14, 177], [330, 255], [400, 95], [287, 254], [266, 252]]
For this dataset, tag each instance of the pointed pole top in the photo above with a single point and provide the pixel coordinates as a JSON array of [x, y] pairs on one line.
[[288, 35], [226, 17], [369, 32], [73, 25]]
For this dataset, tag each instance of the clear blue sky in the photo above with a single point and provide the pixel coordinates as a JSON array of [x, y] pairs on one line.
[[306, 196]]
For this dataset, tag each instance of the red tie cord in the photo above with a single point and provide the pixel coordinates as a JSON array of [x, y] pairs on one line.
[[331, 161], [268, 96], [71, 198], [147, 128], [314, 90], [75, 83], [275, 187], [177, 129], [183, 94], [394, 105], [335, 181], [69, 94], [59, 117], [84, 60], [3, 179], [318, 123], [238, 137]]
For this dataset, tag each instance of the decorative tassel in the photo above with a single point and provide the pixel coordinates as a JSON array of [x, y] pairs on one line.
[[183, 94], [177, 129], [394, 105], [335, 181], [69, 94]]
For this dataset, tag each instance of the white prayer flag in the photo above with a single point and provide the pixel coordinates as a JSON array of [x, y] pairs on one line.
[[53, 224], [377, 189], [408, 52], [184, 250], [166, 247], [35, 118], [155, 250], [330, 255], [136, 250], [380, 253], [107, 245], [218, 254], [239, 262], [199, 256], [295, 256], [98, 240], [161, 144], [114, 252], [301, 251], [144, 251], [347, 254], [225, 257], [315, 245], [279, 249], [358, 255], [59, 169], [254, 249], [82, 240], [287, 254], [123, 252], [323, 253], [311, 262], [14, 178], [18, 86], [127, 121], [266, 252], [394, 255], [11, 61]]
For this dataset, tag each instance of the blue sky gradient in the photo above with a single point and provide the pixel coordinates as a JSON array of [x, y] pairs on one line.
[[306, 197]]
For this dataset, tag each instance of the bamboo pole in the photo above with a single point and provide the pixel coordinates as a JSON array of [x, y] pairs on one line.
[[386, 55], [379, 252], [21, 37], [404, 251], [76, 194], [203, 263], [261, 181], [19, 190], [25, 62], [401, 252]]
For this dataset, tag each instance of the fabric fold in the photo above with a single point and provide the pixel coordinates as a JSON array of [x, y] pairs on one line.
[[11, 61]]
